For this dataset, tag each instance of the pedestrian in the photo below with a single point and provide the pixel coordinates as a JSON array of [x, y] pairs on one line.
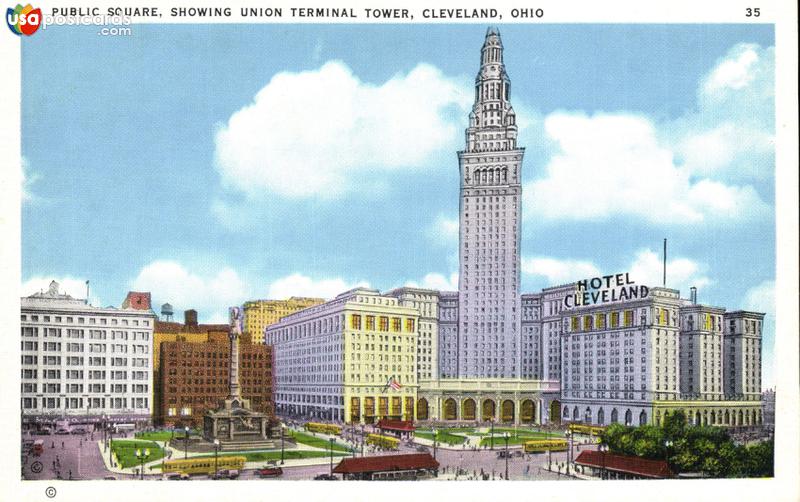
[[70, 474], [53, 444], [62, 445]]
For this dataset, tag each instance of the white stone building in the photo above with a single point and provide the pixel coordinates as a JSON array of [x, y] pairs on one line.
[[335, 360], [426, 301], [84, 364]]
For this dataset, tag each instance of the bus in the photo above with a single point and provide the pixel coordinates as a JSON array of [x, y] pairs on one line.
[[204, 465], [541, 445], [387, 442], [588, 430], [323, 428]]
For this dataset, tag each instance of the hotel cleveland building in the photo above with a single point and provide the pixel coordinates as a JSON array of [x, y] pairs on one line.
[[621, 354]]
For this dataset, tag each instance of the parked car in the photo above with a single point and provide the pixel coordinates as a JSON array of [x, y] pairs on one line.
[[226, 474], [422, 449], [78, 430], [178, 476], [62, 432], [109, 478], [326, 477], [42, 432], [270, 472]]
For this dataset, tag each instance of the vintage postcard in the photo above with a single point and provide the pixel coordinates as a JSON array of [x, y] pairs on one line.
[[528, 250]]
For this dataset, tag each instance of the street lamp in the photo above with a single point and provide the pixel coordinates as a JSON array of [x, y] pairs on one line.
[[667, 445], [283, 433], [186, 442], [111, 446], [603, 448], [569, 450], [362, 440], [331, 448], [435, 435], [505, 436], [216, 458], [491, 436], [142, 455]]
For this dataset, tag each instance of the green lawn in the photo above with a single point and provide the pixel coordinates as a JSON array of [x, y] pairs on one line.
[[442, 437], [156, 436], [125, 451], [316, 442]]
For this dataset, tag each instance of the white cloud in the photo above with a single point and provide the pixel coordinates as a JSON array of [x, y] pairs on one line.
[[210, 293], [645, 268], [682, 273], [75, 287], [731, 133], [436, 281], [559, 271], [300, 285], [28, 179], [689, 170], [321, 132], [734, 71], [444, 230], [761, 298], [613, 164]]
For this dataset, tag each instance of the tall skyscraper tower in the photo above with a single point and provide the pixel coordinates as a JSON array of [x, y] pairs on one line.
[[489, 235]]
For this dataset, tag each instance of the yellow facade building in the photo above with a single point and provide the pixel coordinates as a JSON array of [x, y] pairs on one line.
[[352, 359], [258, 314]]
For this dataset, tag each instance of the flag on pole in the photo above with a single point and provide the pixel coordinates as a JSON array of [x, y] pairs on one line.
[[393, 383]]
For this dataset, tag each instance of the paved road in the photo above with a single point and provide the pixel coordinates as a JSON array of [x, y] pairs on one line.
[[81, 457]]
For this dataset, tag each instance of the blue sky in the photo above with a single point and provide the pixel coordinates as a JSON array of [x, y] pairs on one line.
[[212, 165]]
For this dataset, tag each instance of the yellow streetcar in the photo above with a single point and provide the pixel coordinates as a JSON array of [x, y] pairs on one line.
[[205, 465], [323, 428], [542, 445], [387, 442], [588, 430]]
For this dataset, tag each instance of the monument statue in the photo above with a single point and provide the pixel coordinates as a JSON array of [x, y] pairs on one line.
[[234, 422]]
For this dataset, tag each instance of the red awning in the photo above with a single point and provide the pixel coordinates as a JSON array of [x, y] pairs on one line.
[[386, 463], [396, 425], [636, 466]]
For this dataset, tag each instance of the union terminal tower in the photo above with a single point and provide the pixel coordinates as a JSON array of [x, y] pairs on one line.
[[485, 372], [489, 227]]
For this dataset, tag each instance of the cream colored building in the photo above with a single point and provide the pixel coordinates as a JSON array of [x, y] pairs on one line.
[[336, 360], [258, 314]]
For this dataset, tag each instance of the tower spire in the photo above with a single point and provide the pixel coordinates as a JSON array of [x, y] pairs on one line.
[[492, 117]]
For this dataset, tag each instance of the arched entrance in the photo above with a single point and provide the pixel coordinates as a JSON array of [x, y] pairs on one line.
[[643, 418], [555, 412], [527, 413], [507, 411], [727, 418], [449, 409], [488, 410], [628, 417], [468, 409], [741, 418], [601, 417], [587, 415], [614, 416], [575, 414], [422, 409], [698, 418]]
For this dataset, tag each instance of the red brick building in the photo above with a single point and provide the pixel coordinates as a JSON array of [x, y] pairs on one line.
[[193, 377]]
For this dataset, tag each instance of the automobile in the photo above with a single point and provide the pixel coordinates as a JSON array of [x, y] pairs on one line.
[[109, 478], [226, 474], [326, 477], [78, 430], [62, 432], [422, 449], [178, 476], [270, 472], [518, 453], [42, 432]]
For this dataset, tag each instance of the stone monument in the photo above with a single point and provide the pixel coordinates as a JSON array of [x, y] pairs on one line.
[[234, 423]]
